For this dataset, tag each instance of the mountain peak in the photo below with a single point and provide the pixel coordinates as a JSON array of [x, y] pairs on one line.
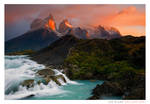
[[50, 23], [64, 26]]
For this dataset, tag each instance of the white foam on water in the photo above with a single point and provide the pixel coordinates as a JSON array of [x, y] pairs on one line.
[[20, 68], [25, 70], [38, 90]]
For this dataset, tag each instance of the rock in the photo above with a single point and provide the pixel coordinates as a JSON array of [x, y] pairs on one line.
[[48, 75], [46, 72], [55, 79], [47, 80], [106, 89], [135, 94], [61, 77], [39, 82], [93, 98], [28, 83]]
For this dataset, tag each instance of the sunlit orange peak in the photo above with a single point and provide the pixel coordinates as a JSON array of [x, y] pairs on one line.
[[68, 24], [51, 24]]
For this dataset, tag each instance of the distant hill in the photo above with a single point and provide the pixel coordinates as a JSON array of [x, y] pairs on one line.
[[33, 40]]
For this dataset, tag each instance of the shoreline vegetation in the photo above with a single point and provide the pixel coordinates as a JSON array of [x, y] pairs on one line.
[[120, 62]]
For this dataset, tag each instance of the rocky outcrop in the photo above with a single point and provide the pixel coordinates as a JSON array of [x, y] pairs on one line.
[[46, 72], [28, 83], [129, 88], [48, 75], [106, 89]]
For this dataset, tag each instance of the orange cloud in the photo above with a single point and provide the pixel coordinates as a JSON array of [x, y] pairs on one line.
[[124, 20], [127, 17], [132, 30]]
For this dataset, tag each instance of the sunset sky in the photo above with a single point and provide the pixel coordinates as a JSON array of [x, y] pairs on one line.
[[128, 19]]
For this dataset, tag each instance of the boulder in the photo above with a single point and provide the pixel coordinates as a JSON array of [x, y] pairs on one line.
[[47, 80], [28, 83], [46, 72], [48, 75], [61, 77], [55, 79]]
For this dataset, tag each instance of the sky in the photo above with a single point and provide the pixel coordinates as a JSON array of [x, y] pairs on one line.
[[128, 19]]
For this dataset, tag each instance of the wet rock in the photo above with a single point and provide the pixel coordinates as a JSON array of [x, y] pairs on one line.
[[28, 83], [55, 79], [46, 72], [48, 75], [61, 77], [39, 82], [47, 80]]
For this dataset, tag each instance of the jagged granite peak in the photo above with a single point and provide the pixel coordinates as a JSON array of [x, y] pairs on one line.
[[103, 32], [64, 26], [79, 33], [50, 23]]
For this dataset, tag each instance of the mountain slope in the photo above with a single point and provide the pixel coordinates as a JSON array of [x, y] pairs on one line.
[[56, 52], [33, 40]]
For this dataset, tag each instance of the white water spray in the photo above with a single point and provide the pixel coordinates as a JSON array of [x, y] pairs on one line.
[[20, 68]]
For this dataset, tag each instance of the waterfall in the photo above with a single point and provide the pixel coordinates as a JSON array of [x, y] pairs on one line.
[[20, 68]]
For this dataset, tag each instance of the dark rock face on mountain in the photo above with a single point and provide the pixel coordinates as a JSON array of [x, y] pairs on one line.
[[55, 53], [33, 40]]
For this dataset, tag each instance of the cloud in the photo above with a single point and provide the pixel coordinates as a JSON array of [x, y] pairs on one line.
[[127, 17]]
